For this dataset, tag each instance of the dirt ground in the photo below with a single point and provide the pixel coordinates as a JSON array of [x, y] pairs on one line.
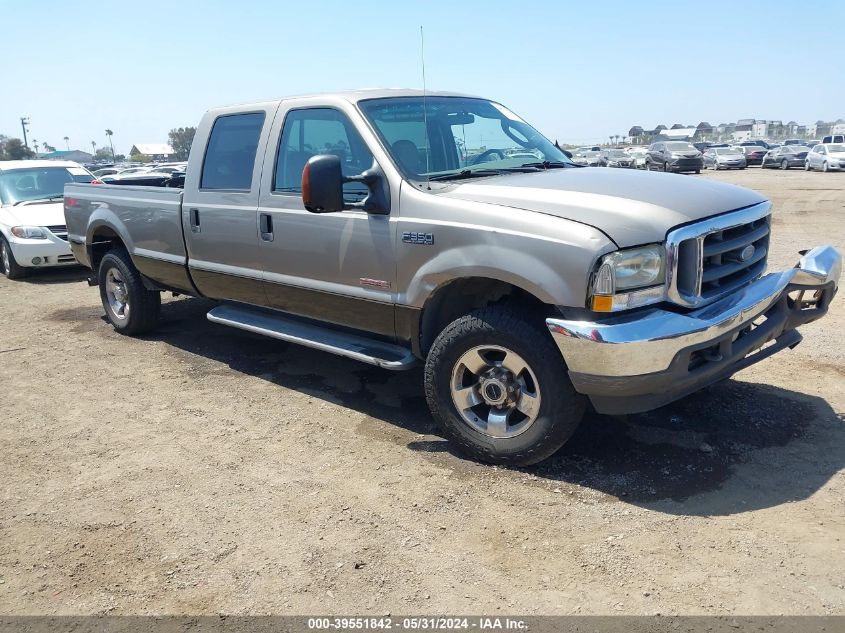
[[206, 470]]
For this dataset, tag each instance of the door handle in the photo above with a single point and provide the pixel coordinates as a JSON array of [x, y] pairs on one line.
[[265, 226], [195, 220]]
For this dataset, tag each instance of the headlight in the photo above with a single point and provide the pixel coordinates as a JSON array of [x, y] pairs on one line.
[[29, 232], [638, 272]]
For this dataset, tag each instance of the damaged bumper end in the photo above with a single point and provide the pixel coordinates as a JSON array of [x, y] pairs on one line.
[[636, 362]]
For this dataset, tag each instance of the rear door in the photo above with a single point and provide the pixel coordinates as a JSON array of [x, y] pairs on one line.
[[220, 206]]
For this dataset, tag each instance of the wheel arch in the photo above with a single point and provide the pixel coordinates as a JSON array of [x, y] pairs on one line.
[[460, 295], [102, 237]]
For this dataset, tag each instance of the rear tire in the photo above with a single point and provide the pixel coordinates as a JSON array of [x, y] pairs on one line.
[[129, 306], [516, 359], [8, 265]]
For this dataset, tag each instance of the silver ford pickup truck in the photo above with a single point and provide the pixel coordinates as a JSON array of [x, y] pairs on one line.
[[397, 228]]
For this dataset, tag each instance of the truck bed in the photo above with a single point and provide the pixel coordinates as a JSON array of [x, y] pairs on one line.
[[147, 219]]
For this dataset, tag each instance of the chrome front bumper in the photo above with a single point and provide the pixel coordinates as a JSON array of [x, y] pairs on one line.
[[633, 362]]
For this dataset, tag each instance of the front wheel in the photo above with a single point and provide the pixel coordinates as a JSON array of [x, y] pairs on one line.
[[806, 165], [825, 166], [498, 386], [784, 165], [666, 168], [10, 266], [129, 306]]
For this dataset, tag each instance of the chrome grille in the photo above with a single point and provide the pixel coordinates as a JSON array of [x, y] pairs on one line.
[[712, 258], [734, 257], [59, 230]]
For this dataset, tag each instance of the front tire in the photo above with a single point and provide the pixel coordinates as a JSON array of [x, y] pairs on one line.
[[825, 166], [129, 306], [784, 165], [807, 165], [499, 388], [666, 168], [8, 265]]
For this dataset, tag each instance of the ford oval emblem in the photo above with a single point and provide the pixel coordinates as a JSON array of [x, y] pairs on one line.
[[747, 253]]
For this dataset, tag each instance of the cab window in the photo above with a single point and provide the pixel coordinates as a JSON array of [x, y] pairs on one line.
[[230, 154], [313, 131]]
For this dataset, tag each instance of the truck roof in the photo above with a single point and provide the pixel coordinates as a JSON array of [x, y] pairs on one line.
[[8, 165], [354, 96]]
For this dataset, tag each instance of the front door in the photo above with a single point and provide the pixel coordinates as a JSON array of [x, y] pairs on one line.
[[336, 267]]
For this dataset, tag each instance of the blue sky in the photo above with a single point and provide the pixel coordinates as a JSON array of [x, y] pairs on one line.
[[577, 71]]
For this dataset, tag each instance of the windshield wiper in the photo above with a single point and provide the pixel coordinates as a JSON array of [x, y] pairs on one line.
[[44, 199], [548, 164], [468, 173]]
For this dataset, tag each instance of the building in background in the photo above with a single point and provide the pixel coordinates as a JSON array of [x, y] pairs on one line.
[[153, 151], [74, 154]]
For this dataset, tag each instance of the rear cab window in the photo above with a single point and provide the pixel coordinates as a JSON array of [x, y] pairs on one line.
[[231, 150]]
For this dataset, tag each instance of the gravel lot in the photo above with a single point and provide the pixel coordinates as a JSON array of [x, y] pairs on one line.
[[206, 470]]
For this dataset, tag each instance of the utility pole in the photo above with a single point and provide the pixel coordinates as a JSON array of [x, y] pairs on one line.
[[24, 123]]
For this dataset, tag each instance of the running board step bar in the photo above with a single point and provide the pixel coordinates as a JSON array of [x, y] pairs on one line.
[[283, 328]]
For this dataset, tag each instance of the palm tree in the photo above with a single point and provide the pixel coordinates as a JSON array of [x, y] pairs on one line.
[[93, 147], [67, 142], [109, 134], [35, 145], [611, 139]]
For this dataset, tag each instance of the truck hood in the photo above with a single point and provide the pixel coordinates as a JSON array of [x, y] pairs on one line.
[[631, 207], [34, 214]]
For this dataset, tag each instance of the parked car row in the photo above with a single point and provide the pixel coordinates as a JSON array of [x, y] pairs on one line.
[[118, 172], [681, 156]]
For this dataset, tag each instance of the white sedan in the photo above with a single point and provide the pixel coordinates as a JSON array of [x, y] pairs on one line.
[[827, 157], [32, 218]]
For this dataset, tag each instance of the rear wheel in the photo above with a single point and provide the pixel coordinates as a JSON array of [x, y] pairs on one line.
[[8, 264], [498, 386], [129, 306]]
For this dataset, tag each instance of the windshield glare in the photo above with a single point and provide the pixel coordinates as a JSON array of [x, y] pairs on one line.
[[836, 147], [38, 183], [463, 134]]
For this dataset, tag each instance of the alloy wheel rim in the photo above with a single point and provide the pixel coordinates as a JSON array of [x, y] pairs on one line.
[[495, 391], [116, 294], [7, 265]]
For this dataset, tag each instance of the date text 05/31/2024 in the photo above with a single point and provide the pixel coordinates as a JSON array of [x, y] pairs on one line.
[[416, 624]]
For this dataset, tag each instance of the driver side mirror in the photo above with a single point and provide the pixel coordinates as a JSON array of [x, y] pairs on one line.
[[322, 187], [322, 184]]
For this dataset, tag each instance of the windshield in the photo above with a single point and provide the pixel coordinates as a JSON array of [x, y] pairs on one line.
[[722, 151], [616, 153], [38, 183], [464, 135], [836, 147], [680, 147]]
